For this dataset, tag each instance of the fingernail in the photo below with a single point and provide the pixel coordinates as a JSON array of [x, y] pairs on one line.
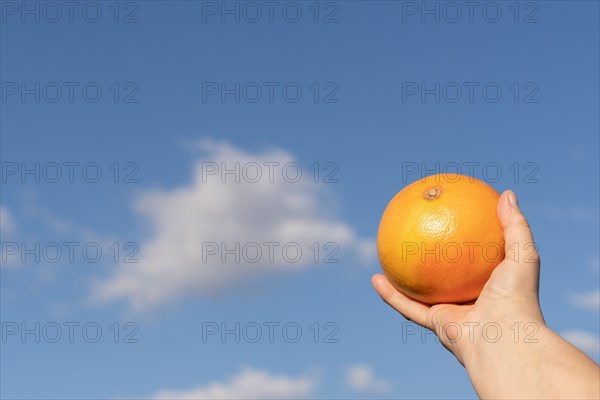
[[512, 199]]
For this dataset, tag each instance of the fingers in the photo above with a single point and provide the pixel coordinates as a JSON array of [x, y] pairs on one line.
[[409, 308], [519, 245]]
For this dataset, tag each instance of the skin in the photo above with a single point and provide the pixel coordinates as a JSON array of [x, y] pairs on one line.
[[525, 361]]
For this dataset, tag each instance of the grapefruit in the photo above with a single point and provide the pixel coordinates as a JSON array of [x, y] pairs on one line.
[[439, 238]]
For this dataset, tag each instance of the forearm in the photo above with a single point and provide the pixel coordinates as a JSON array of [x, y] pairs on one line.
[[549, 368]]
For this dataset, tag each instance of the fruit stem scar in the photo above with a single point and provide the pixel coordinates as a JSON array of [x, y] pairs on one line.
[[432, 193]]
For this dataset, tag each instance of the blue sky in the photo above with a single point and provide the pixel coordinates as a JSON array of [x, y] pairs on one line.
[[159, 121]]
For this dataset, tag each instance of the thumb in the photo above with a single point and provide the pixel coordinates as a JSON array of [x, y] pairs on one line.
[[519, 245]]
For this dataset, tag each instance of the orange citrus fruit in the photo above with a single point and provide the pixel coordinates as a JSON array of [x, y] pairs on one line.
[[439, 238]]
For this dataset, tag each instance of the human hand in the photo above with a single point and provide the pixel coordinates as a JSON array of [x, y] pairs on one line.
[[510, 296], [525, 358]]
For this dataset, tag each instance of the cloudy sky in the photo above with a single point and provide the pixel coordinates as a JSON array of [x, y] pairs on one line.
[[190, 191]]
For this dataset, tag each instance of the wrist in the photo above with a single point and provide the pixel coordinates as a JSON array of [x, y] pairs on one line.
[[486, 340]]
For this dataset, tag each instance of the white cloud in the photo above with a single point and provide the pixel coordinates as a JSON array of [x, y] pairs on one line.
[[589, 300], [248, 384], [362, 378], [594, 263], [7, 226], [367, 251], [175, 263], [7, 222], [56, 224], [585, 341], [573, 213]]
